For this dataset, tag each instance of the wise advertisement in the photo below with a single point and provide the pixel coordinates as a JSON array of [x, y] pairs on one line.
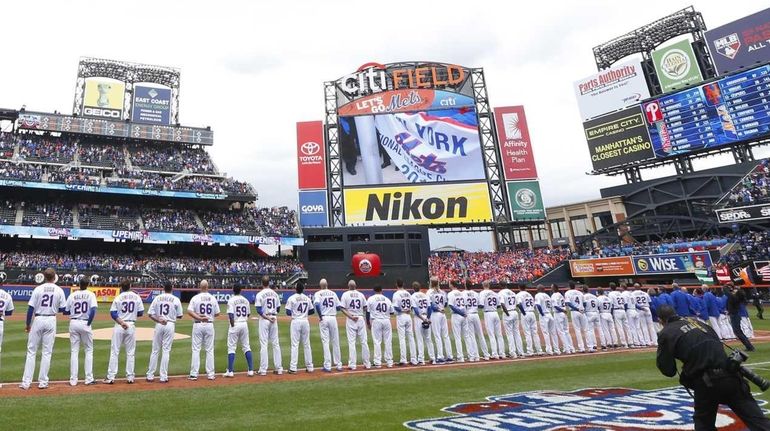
[[103, 98], [313, 208], [602, 267], [515, 144], [525, 200], [741, 43], [151, 105], [673, 263], [311, 155], [617, 87], [675, 66], [418, 205], [618, 138]]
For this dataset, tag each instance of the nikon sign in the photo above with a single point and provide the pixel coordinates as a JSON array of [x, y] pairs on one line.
[[525, 200], [419, 204]]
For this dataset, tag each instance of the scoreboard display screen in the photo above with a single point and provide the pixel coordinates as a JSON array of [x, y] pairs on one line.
[[730, 110]]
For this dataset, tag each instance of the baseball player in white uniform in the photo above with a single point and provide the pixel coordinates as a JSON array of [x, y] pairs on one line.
[[489, 302], [422, 311], [511, 322], [6, 309], [544, 308], [632, 317], [47, 300], [526, 304], [238, 312], [438, 322], [298, 307], [378, 311], [353, 306], [326, 305], [81, 307], [125, 309], [475, 335], [644, 315], [574, 300], [593, 321], [456, 302], [606, 323], [268, 305], [203, 309], [619, 313], [164, 310], [402, 304], [560, 319]]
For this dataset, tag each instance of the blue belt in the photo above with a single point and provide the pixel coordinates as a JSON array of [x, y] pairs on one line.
[[44, 315], [201, 321], [85, 320], [132, 321]]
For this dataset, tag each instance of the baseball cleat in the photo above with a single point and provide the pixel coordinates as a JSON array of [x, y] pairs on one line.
[[228, 374], [23, 387], [211, 377], [250, 373], [130, 381], [309, 370], [90, 382], [351, 368], [339, 368], [326, 370], [75, 383], [163, 380], [42, 386], [193, 378], [108, 381], [292, 371], [262, 373], [150, 378]]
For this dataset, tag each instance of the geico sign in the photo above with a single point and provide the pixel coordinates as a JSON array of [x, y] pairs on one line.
[[374, 78], [312, 209], [100, 112]]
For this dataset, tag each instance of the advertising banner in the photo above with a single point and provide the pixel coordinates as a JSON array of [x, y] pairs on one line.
[[618, 138], [611, 89], [313, 208], [732, 109], [418, 204], [113, 190], [151, 105], [103, 98], [417, 147], [19, 293], [676, 66], [526, 200], [404, 101], [741, 214], [602, 267], [741, 43], [105, 294], [672, 263], [515, 144], [311, 155]]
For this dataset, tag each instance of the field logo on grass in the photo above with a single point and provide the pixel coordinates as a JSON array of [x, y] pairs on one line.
[[608, 409]]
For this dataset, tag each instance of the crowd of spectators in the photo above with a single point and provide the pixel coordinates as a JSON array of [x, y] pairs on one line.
[[170, 220], [82, 177], [171, 158], [749, 246], [275, 221], [47, 148], [8, 212], [108, 217], [54, 215], [101, 155], [7, 145], [670, 245], [753, 189], [136, 179], [234, 222], [20, 171], [516, 266]]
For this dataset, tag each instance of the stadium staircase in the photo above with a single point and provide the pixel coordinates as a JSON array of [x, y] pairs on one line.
[[559, 275], [75, 217], [198, 221], [297, 276], [19, 215], [127, 160]]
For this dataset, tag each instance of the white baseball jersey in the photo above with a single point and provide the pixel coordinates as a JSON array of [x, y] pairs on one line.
[[327, 302], [204, 304], [557, 299], [421, 302], [591, 303], [575, 298], [489, 300], [47, 299], [166, 306], [605, 304], [79, 304], [239, 307], [438, 299], [6, 303], [403, 300], [526, 300], [456, 298], [269, 301], [353, 301], [544, 301], [379, 306], [128, 305], [508, 300], [300, 305], [629, 300], [618, 301], [472, 301], [641, 298]]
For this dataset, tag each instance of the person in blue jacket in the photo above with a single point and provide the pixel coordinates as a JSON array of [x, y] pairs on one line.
[[665, 297], [681, 301], [711, 307]]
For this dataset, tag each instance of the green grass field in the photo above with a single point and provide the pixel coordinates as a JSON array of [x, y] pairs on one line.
[[371, 401]]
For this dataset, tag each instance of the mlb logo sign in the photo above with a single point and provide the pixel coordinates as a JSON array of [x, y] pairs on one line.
[[607, 409], [728, 46]]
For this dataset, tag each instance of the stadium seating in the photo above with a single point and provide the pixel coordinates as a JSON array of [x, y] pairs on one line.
[[46, 149], [753, 189], [108, 217], [53, 215], [515, 266], [170, 220]]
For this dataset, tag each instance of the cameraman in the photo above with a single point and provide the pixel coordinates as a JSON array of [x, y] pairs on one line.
[[706, 369]]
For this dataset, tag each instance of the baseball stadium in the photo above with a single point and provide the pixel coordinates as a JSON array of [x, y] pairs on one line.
[[402, 254]]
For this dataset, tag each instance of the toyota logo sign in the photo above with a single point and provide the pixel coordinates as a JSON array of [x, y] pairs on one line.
[[310, 148]]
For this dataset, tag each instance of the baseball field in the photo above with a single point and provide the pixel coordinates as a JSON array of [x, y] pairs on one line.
[[371, 400]]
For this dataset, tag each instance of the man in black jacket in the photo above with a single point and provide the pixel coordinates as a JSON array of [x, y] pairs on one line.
[[735, 298], [706, 370]]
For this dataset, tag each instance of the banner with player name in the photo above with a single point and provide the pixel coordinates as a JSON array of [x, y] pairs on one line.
[[148, 236]]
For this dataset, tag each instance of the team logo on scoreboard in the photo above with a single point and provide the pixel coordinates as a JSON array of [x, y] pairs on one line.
[[526, 198], [606, 409], [728, 46], [675, 64]]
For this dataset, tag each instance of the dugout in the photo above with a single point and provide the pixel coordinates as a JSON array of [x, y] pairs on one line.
[[404, 251]]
